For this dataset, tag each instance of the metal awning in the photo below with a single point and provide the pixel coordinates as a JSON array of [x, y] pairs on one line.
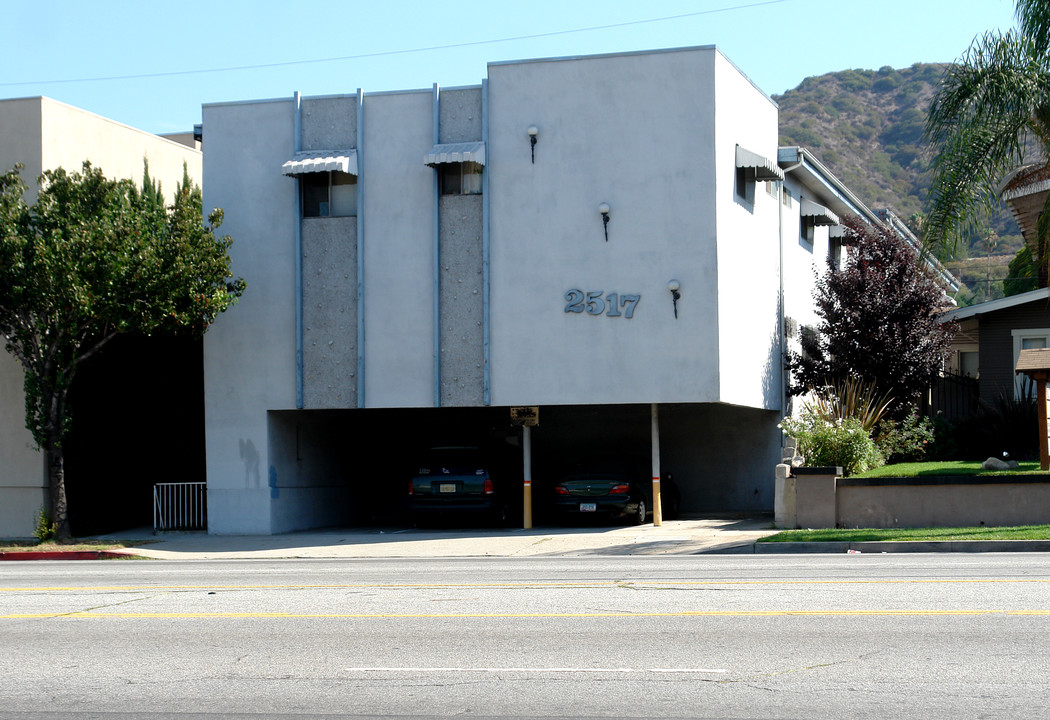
[[456, 153], [314, 161], [818, 214], [765, 169]]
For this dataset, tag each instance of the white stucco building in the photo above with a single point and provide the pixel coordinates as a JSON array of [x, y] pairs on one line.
[[419, 262], [42, 134]]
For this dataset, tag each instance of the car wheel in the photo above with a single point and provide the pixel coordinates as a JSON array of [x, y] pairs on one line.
[[639, 516]]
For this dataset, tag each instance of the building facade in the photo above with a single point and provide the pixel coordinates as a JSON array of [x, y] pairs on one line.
[[615, 240]]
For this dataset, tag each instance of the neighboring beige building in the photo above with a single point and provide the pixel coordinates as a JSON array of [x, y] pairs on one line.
[[42, 134]]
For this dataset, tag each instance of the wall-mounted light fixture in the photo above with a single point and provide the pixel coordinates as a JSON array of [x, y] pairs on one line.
[[604, 208], [674, 286], [533, 132]]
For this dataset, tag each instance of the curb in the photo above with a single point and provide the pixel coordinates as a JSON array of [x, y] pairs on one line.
[[915, 546], [63, 555]]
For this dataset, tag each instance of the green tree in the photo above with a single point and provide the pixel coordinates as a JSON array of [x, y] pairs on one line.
[[878, 321], [1022, 274], [992, 104], [91, 258]]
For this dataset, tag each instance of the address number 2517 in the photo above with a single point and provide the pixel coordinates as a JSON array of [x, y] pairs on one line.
[[595, 302]]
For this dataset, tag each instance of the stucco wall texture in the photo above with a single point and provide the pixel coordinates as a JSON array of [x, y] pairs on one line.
[[329, 247], [459, 115], [329, 123], [462, 332]]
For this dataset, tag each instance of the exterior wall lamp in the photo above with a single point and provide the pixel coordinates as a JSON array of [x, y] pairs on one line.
[[604, 208], [533, 132], [674, 287]]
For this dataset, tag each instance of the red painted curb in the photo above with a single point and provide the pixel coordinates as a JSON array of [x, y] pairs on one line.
[[61, 555]]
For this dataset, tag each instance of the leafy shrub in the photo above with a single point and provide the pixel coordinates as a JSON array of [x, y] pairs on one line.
[[905, 441], [841, 442], [854, 80], [846, 103], [945, 445], [885, 84], [863, 132], [45, 529]]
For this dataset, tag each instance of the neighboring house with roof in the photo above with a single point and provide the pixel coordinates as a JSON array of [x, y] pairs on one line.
[[991, 337], [992, 334], [41, 134]]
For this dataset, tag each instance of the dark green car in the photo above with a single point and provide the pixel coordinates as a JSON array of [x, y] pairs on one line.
[[460, 482], [613, 490]]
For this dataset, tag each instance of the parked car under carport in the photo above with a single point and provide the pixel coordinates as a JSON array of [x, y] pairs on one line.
[[612, 489], [463, 483]]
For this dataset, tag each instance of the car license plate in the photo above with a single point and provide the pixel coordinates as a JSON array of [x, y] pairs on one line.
[[588, 507], [447, 488]]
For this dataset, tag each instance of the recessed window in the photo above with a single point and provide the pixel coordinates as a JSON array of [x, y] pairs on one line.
[[771, 188], [806, 232], [461, 178], [329, 194], [786, 197], [835, 252]]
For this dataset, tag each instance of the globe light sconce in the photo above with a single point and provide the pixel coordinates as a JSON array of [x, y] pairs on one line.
[[604, 208], [533, 133], [674, 286]]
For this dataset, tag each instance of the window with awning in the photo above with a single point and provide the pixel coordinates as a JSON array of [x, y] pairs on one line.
[[327, 181]]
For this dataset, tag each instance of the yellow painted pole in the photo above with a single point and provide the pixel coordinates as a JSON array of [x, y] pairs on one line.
[[657, 505], [1044, 451], [526, 451]]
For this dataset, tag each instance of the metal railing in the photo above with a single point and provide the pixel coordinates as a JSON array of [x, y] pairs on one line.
[[952, 397], [180, 506]]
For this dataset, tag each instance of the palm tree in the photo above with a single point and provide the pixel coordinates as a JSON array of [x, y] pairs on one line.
[[992, 106], [1034, 18]]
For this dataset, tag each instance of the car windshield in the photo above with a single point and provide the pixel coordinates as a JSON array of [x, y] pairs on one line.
[[454, 458]]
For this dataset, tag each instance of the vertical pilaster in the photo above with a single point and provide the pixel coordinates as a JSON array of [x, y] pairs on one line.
[[437, 254]]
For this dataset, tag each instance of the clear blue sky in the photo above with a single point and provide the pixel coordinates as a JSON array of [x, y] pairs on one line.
[[60, 48]]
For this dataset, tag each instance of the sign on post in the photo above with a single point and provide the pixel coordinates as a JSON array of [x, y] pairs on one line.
[[525, 416]]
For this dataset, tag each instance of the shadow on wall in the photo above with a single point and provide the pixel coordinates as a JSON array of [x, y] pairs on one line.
[[250, 458], [773, 372], [722, 456]]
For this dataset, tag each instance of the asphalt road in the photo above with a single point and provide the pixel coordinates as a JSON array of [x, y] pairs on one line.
[[848, 636]]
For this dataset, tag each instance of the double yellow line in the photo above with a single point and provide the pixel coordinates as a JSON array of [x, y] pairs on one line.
[[91, 615]]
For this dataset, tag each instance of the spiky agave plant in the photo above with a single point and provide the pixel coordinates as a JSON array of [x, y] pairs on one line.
[[851, 397]]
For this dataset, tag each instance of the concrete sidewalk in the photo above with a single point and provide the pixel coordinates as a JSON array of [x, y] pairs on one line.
[[725, 534], [674, 537]]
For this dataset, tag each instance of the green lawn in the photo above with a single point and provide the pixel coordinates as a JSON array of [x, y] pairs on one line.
[[954, 467], [1023, 532]]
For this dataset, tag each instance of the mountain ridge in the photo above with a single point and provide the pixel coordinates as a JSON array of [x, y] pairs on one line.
[[867, 126]]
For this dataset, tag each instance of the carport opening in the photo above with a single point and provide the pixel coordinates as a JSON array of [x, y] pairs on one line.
[[355, 465], [138, 419], [351, 468]]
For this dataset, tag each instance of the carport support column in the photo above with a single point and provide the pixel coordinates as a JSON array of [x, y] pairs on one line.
[[526, 453], [657, 505]]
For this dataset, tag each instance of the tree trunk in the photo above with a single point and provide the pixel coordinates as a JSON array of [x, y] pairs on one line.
[[56, 472]]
